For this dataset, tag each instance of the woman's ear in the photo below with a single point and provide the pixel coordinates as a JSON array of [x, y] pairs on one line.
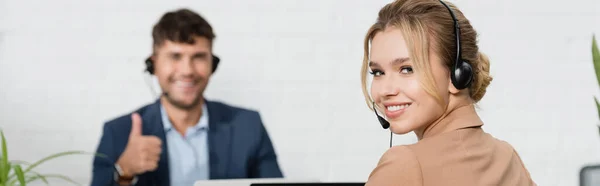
[[451, 88]]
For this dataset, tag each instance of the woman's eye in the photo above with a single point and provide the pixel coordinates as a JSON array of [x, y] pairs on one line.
[[406, 70], [376, 73]]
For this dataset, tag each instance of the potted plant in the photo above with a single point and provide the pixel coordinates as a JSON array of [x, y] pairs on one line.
[[587, 174], [21, 173], [596, 62]]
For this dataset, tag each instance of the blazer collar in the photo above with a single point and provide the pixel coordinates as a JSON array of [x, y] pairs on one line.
[[152, 125], [461, 117], [219, 139]]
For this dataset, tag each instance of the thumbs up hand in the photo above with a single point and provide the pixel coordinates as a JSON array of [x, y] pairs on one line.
[[142, 153]]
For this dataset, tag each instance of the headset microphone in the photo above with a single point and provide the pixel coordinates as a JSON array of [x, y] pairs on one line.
[[385, 124]]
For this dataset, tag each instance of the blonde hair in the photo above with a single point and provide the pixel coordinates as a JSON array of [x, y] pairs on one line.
[[426, 25]]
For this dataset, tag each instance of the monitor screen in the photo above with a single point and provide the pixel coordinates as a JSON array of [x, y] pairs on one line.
[[310, 184]]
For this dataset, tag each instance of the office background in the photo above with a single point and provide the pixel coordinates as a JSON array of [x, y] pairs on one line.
[[67, 66]]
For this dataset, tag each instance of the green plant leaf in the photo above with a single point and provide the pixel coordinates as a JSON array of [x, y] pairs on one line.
[[3, 173], [61, 177], [36, 176], [32, 176], [4, 166], [19, 162], [597, 105], [30, 167], [10, 170], [596, 58], [52, 157], [20, 175]]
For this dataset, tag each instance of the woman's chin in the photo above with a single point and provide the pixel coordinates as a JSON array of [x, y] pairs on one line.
[[400, 127]]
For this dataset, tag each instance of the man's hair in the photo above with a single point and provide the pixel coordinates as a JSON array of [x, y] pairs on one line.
[[181, 26]]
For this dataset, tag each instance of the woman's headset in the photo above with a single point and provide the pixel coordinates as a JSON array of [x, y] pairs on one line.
[[150, 64], [461, 72]]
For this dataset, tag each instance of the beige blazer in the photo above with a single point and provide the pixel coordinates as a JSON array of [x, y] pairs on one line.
[[454, 152]]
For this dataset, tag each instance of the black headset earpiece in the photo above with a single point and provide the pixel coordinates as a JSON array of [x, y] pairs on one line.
[[462, 75], [150, 64], [215, 62], [461, 72]]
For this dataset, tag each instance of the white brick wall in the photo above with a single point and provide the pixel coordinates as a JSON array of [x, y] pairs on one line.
[[297, 62]]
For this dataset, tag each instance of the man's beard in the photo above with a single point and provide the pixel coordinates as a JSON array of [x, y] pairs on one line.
[[182, 105]]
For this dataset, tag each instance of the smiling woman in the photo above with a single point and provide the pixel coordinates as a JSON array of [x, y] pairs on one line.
[[428, 73]]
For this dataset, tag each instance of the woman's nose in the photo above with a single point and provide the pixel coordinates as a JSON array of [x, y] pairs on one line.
[[390, 87]]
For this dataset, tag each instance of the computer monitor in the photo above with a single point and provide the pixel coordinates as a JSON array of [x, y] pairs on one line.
[[311, 184], [249, 182]]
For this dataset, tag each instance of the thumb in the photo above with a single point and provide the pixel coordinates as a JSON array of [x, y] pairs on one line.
[[136, 125]]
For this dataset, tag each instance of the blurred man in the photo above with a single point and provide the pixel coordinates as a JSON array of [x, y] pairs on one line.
[[182, 137]]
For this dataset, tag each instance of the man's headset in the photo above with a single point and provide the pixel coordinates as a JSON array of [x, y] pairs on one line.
[[461, 72], [150, 64]]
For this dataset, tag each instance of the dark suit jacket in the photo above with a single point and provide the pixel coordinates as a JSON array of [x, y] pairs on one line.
[[239, 146]]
